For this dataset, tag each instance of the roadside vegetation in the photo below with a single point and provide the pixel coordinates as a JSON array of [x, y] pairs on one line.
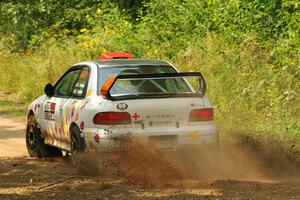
[[248, 51]]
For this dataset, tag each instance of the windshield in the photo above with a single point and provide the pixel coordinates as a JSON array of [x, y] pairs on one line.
[[145, 86]]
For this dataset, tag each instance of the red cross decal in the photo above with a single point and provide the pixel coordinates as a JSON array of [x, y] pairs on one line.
[[135, 116]]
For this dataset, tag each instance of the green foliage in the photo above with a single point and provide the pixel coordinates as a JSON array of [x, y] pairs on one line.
[[248, 50]]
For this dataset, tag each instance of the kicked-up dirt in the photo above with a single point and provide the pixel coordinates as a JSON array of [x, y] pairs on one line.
[[139, 172]]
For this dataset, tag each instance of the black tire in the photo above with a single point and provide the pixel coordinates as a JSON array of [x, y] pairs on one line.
[[77, 142], [35, 143]]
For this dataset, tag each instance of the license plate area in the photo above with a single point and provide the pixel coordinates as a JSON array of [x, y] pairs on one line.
[[164, 142]]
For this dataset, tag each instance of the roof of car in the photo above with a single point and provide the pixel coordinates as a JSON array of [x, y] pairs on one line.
[[132, 61]]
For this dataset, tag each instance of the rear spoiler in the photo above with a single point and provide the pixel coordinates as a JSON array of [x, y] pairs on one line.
[[107, 86]]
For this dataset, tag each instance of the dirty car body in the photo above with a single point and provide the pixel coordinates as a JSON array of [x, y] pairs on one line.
[[108, 99]]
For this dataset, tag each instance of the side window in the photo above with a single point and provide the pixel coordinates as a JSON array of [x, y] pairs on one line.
[[65, 85], [81, 83]]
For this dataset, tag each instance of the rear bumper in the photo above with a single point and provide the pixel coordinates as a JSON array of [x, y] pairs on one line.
[[188, 137]]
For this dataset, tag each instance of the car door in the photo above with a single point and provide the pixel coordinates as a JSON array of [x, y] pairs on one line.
[[69, 107], [53, 106]]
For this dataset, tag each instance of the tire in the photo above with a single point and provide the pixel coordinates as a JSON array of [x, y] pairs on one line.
[[35, 143], [77, 142]]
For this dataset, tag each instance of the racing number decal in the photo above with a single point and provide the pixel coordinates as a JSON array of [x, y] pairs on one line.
[[49, 111]]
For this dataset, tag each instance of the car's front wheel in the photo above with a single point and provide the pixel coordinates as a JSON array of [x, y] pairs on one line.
[[35, 143]]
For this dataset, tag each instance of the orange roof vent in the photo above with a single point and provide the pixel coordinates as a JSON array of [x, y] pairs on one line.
[[115, 55]]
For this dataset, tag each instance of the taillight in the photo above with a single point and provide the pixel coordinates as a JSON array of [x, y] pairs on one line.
[[198, 115], [112, 118]]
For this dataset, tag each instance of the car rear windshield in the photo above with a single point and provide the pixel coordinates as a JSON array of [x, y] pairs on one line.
[[135, 87]]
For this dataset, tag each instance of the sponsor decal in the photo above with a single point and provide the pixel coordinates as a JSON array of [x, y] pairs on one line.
[[52, 106], [49, 111], [122, 106]]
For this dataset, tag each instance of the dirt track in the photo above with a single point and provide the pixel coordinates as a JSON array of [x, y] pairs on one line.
[[22, 177]]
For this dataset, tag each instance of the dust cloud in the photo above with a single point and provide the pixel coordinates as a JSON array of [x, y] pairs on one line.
[[134, 162], [141, 164], [241, 163]]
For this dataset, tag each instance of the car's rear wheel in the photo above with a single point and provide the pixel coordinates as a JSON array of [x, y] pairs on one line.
[[35, 143], [77, 142]]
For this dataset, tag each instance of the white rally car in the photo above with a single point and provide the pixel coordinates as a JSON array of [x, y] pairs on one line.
[[96, 102]]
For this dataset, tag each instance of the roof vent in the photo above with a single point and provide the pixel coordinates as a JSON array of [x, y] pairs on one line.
[[115, 55]]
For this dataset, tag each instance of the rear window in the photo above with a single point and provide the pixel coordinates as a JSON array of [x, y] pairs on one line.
[[144, 86]]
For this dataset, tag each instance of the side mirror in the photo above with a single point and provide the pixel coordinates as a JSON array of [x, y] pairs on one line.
[[49, 90]]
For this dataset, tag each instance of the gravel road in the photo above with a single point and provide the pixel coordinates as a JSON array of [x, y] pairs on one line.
[[22, 177]]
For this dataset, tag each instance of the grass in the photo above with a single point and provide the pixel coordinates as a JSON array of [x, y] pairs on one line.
[[9, 106]]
